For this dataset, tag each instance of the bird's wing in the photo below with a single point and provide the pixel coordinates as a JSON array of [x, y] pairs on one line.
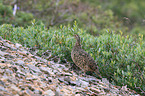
[[91, 62], [85, 55]]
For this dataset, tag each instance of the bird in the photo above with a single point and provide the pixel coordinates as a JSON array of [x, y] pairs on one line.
[[82, 59]]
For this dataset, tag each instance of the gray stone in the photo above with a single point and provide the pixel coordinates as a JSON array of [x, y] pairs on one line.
[[35, 69], [9, 56], [3, 53], [7, 45], [19, 62], [3, 48], [83, 83], [49, 93], [45, 70], [2, 88], [18, 45]]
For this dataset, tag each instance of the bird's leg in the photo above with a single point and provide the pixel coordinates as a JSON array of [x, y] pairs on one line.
[[98, 74], [84, 73]]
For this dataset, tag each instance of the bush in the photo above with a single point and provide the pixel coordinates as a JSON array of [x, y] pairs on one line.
[[121, 59], [129, 15], [21, 18], [5, 14], [55, 12]]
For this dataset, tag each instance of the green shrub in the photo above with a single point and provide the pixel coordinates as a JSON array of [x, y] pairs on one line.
[[120, 59], [129, 15], [5, 13], [131, 9], [21, 18], [53, 13]]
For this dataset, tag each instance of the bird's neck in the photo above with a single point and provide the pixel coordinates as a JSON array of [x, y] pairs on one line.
[[78, 45]]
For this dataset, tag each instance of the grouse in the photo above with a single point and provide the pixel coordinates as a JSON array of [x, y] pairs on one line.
[[82, 59]]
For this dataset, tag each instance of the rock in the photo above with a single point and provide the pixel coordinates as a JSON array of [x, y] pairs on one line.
[[95, 90], [49, 93], [3, 48], [7, 45], [62, 80], [19, 62], [35, 69], [21, 73], [26, 74], [83, 83], [72, 83], [2, 83], [36, 91], [57, 92], [9, 56], [15, 88], [22, 53], [38, 58], [64, 74], [3, 53], [29, 92], [8, 71], [2, 88], [2, 59], [45, 70], [67, 78], [18, 45]]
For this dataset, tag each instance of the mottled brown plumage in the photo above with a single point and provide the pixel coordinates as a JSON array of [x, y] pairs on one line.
[[82, 59]]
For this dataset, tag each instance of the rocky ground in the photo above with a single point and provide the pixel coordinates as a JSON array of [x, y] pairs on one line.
[[25, 74]]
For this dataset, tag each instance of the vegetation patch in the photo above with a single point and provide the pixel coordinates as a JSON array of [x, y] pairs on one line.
[[120, 59]]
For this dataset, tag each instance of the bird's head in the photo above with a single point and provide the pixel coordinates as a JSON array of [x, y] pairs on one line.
[[78, 40]]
